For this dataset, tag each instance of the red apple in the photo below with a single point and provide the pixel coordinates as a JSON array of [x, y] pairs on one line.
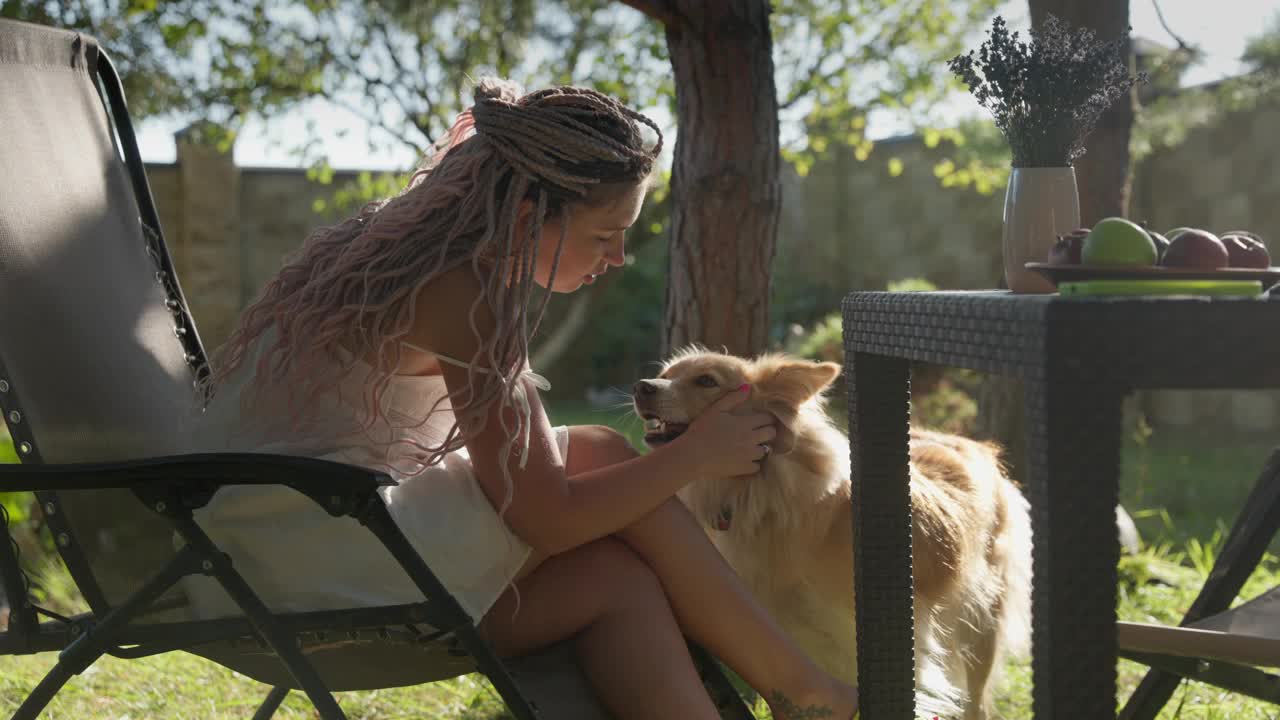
[[1196, 249], [1246, 250]]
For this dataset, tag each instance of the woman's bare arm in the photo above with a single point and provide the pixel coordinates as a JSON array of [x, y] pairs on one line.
[[546, 510]]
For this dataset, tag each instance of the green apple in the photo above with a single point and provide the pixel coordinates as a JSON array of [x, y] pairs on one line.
[[1117, 241]]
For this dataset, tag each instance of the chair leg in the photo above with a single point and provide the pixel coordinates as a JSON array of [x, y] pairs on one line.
[[43, 693], [491, 667], [269, 706], [1245, 545], [90, 644], [379, 522], [280, 641]]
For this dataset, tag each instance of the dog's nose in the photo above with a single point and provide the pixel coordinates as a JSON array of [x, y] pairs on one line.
[[644, 388]]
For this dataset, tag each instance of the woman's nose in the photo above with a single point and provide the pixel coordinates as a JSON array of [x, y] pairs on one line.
[[616, 253]]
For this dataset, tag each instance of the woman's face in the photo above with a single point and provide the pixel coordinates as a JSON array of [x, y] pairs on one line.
[[595, 240]]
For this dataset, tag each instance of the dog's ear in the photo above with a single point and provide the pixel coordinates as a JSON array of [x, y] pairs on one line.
[[789, 386]]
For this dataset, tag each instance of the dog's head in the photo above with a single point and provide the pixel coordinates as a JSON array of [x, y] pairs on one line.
[[694, 379]]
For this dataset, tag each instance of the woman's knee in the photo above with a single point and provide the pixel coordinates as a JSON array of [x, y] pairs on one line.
[[594, 446], [619, 568]]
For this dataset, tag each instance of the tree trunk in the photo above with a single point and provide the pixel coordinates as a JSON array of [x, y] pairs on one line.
[[726, 194], [1102, 174]]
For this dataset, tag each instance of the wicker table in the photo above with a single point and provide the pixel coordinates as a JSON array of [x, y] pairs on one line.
[[1077, 358]]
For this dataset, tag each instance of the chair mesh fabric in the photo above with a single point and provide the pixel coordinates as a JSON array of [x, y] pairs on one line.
[[1260, 617], [86, 339]]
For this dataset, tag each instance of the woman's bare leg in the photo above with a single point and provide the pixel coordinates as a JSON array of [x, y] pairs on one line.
[[625, 634], [710, 601]]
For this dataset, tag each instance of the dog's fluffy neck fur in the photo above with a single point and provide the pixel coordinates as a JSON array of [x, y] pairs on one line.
[[750, 505]]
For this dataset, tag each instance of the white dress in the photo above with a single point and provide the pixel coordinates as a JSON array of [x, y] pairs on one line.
[[298, 558]]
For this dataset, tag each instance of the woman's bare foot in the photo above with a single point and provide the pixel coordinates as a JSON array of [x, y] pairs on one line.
[[836, 702]]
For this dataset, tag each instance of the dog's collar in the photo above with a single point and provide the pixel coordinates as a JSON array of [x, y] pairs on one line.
[[724, 518]]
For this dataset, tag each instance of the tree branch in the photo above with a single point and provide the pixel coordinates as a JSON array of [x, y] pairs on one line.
[[373, 121], [811, 78], [1182, 44], [423, 123]]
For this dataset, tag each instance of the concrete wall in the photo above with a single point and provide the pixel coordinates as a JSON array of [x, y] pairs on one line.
[[847, 225]]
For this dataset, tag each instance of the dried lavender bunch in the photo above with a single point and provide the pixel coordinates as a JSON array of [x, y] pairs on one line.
[[1046, 95]]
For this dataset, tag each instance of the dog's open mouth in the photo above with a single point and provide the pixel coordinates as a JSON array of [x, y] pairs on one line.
[[658, 431]]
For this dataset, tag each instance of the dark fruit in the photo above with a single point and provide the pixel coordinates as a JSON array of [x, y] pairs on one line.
[[1246, 233], [1196, 249], [1162, 244], [1246, 251], [1066, 251]]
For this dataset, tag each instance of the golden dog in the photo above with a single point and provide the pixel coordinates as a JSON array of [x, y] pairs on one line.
[[788, 531]]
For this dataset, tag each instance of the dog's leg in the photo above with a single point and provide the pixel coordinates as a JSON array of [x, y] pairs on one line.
[[937, 692], [979, 662]]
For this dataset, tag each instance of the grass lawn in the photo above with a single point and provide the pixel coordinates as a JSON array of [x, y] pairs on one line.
[[1180, 493]]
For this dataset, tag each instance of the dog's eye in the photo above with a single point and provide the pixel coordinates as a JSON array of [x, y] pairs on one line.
[[705, 381]]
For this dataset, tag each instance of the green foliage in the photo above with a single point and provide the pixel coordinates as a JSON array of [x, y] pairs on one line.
[[840, 61], [979, 157], [399, 66], [911, 285], [349, 196], [144, 38], [941, 398], [824, 341]]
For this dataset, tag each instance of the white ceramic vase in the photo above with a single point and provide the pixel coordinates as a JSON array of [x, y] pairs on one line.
[[1040, 204]]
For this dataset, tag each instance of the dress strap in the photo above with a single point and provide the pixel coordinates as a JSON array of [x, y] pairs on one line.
[[442, 357], [518, 394]]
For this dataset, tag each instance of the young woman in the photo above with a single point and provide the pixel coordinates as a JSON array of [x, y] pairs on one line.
[[398, 339]]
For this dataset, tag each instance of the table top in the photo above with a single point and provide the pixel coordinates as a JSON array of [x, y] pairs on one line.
[[1133, 342]]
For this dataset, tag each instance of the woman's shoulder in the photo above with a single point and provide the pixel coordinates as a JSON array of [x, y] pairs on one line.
[[445, 310], [457, 284]]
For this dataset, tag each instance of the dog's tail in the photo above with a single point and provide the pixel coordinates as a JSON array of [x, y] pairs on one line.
[[1015, 625]]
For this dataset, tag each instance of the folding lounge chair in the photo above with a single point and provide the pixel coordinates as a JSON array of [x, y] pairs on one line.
[[98, 355], [1228, 648]]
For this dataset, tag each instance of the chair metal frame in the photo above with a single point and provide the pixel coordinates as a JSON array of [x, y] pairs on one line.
[[1245, 545]]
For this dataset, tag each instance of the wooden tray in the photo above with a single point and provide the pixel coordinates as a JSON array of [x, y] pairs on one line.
[[1071, 273]]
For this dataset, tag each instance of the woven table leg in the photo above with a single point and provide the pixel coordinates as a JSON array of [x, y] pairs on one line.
[[879, 408], [1073, 474]]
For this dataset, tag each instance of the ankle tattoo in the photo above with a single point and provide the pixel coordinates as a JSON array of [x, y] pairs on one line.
[[784, 707]]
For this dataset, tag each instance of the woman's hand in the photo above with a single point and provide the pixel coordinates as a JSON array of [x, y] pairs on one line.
[[724, 443]]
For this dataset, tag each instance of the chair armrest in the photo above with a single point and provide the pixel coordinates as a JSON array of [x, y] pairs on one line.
[[193, 479]]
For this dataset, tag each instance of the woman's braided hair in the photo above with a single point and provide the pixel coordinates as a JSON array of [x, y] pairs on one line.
[[352, 286]]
